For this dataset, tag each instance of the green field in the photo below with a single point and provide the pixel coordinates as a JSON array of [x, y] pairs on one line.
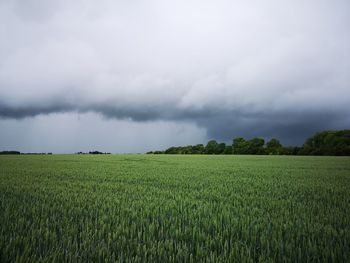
[[174, 208]]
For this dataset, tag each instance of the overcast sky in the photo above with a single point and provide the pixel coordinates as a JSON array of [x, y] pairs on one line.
[[133, 76]]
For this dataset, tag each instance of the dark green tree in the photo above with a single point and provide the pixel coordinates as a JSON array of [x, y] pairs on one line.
[[172, 150], [198, 149], [228, 149], [273, 146], [328, 143], [256, 146], [211, 147], [239, 146], [220, 149]]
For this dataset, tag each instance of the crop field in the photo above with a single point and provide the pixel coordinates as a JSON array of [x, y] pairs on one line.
[[174, 208]]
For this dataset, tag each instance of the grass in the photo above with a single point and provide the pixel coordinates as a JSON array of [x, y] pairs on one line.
[[174, 208]]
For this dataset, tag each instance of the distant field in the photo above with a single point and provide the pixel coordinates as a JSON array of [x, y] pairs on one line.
[[137, 208]]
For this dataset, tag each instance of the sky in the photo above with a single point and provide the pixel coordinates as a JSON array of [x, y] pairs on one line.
[[141, 75]]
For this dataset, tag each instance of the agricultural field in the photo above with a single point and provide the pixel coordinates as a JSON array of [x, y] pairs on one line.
[[174, 208]]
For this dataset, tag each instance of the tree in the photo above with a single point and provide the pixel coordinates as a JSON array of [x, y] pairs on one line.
[[220, 149], [211, 147], [290, 150], [198, 149], [9, 152], [172, 150], [273, 146], [328, 143], [186, 150], [256, 146], [240, 146], [228, 149], [321, 143]]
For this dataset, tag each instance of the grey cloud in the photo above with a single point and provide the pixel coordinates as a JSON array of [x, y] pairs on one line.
[[21, 112], [232, 67], [292, 129]]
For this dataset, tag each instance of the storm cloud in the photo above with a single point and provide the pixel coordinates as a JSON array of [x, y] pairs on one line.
[[232, 68]]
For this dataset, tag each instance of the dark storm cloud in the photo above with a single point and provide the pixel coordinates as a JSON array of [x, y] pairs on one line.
[[19, 112], [291, 128], [235, 68], [108, 111]]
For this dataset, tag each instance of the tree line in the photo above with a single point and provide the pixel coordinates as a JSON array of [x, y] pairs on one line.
[[93, 152], [321, 143], [9, 152], [17, 152]]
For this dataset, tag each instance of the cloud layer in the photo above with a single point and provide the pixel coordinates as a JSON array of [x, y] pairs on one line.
[[272, 68]]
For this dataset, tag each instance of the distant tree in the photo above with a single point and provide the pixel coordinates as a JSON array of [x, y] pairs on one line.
[[211, 147], [240, 146], [9, 152], [220, 149], [189, 149], [273, 146], [95, 152], [186, 150], [256, 146], [321, 143], [172, 150], [253, 146], [328, 143], [228, 149], [198, 149], [291, 150]]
